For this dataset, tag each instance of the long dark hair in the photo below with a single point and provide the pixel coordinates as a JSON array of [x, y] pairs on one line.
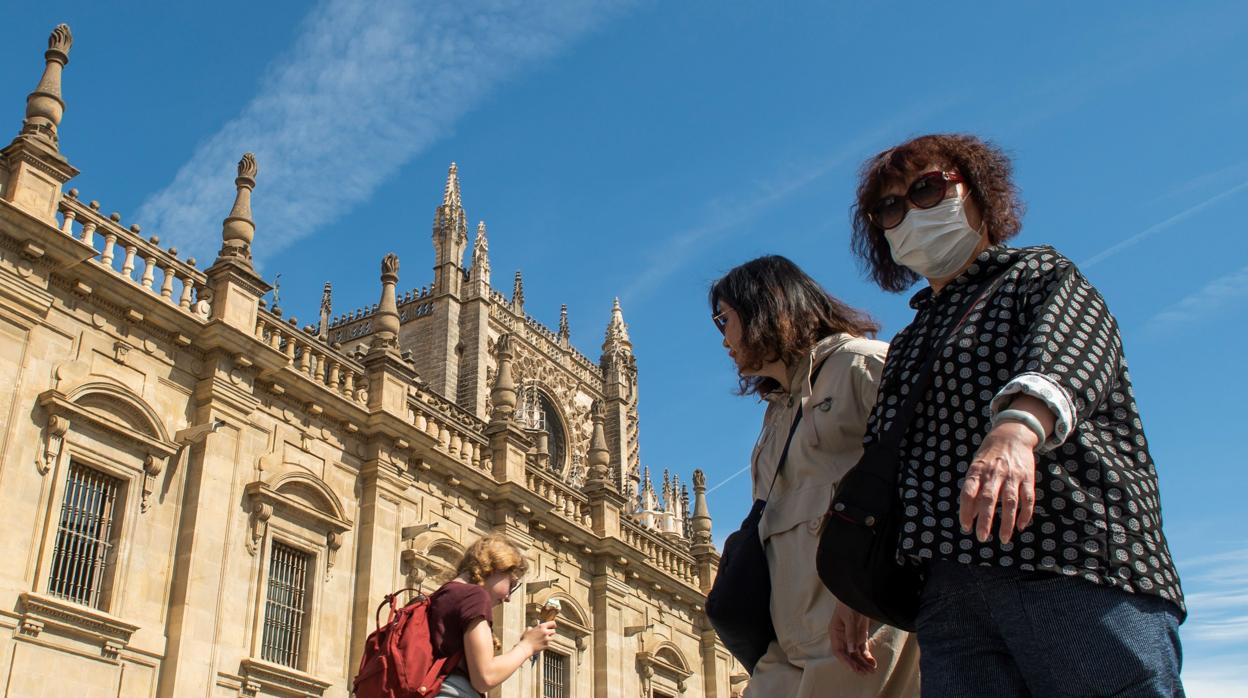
[[783, 314]]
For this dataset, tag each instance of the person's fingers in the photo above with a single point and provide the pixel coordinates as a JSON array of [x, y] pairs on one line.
[[1009, 503], [1027, 498], [970, 490], [986, 499]]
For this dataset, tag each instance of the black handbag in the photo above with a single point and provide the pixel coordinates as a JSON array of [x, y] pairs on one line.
[[739, 604], [857, 554]]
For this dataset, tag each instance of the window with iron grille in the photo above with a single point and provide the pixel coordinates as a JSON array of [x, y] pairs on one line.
[[82, 560], [285, 607], [554, 675]]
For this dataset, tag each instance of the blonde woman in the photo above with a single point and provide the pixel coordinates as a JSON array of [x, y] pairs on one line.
[[461, 613]]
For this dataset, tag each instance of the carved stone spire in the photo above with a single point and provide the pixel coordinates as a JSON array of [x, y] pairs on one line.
[[327, 307], [32, 169], [386, 323], [517, 294], [238, 229], [44, 106], [565, 335], [450, 194], [701, 522], [450, 237], [503, 394], [617, 333], [481, 257], [599, 457]]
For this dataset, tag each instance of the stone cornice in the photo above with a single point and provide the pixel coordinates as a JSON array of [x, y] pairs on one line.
[[259, 676], [261, 493], [40, 611], [38, 239], [57, 403]]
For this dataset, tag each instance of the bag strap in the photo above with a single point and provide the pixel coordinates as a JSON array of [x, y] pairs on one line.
[[797, 419], [891, 439], [388, 600]]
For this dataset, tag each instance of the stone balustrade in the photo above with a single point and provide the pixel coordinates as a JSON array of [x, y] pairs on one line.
[[569, 503], [314, 359], [123, 251], [449, 433], [663, 554]]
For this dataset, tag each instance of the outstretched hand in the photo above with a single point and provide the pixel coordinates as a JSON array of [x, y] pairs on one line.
[[1002, 473]]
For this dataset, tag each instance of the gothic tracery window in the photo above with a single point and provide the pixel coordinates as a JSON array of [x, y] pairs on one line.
[[556, 444]]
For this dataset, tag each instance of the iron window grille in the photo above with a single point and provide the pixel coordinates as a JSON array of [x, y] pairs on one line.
[[554, 675], [285, 608], [83, 557]]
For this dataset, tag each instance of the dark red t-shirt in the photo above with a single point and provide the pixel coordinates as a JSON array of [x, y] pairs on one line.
[[452, 609]]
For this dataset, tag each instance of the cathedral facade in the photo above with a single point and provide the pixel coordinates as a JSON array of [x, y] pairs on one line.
[[202, 498]]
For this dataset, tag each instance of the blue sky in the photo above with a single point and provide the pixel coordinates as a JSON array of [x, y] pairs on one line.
[[640, 149]]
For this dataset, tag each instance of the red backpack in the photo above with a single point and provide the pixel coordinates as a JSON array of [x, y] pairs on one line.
[[398, 657]]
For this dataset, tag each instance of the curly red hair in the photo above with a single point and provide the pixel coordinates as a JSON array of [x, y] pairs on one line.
[[985, 168]]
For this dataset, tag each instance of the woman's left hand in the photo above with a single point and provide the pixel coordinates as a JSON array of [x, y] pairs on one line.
[[1003, 472]]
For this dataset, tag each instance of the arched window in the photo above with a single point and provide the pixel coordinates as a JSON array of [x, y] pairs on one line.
[[556, 442]]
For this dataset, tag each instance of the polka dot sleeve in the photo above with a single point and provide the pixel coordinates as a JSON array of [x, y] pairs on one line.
[[1073, 342]]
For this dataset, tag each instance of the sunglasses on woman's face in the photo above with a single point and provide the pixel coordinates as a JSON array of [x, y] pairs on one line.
[[721, 321], [926, 191], [515, 586]]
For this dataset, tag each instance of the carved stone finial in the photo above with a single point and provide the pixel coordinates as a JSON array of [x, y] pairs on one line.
[[451, 195], [565, 335], [617, 332], [238, 229], [386, 335], [503, 394], [44, 106], [701, 520], [517, 294], [481, 256], [327, 305], [598, 457]]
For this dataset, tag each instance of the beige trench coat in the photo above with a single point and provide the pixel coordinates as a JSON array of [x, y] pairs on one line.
[[828, 442]]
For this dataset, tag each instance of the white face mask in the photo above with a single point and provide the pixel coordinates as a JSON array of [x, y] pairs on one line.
[[934, 243]]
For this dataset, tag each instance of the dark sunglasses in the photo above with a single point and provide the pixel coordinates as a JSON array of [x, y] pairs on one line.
[[721, 321], [515, 586], [926, 191]]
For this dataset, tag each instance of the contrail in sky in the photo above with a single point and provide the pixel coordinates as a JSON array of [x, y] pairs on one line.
[[366, 87], [1158, 227]]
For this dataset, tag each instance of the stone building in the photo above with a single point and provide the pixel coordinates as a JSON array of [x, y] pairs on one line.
[[199, 497]]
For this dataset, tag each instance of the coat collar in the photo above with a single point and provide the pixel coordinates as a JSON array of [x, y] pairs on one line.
[[988, 264]]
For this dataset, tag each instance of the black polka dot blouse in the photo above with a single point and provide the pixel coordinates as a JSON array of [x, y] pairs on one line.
[[1044, 331]]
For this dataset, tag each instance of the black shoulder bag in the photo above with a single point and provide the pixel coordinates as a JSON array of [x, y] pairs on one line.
[[739, 604], [857, 556]]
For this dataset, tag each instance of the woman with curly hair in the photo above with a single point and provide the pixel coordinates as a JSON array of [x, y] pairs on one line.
[[1025, 483], [813, 360], [461, 617]]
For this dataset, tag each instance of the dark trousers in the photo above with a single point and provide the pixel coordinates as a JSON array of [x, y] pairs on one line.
[[992, 631]]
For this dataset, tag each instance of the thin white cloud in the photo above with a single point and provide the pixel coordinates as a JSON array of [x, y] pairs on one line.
[[1216, 632], [366, 86], [1212, 298], [723, 218], [1158, 227]]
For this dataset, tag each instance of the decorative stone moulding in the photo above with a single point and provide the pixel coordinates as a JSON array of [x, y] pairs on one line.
[[275, 679], [63, 413], [266, 499], [40, 612]]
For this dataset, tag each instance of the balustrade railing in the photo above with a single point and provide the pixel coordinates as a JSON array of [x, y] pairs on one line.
[[314, 359], [123, 251], [662, 554], [568, 502]]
